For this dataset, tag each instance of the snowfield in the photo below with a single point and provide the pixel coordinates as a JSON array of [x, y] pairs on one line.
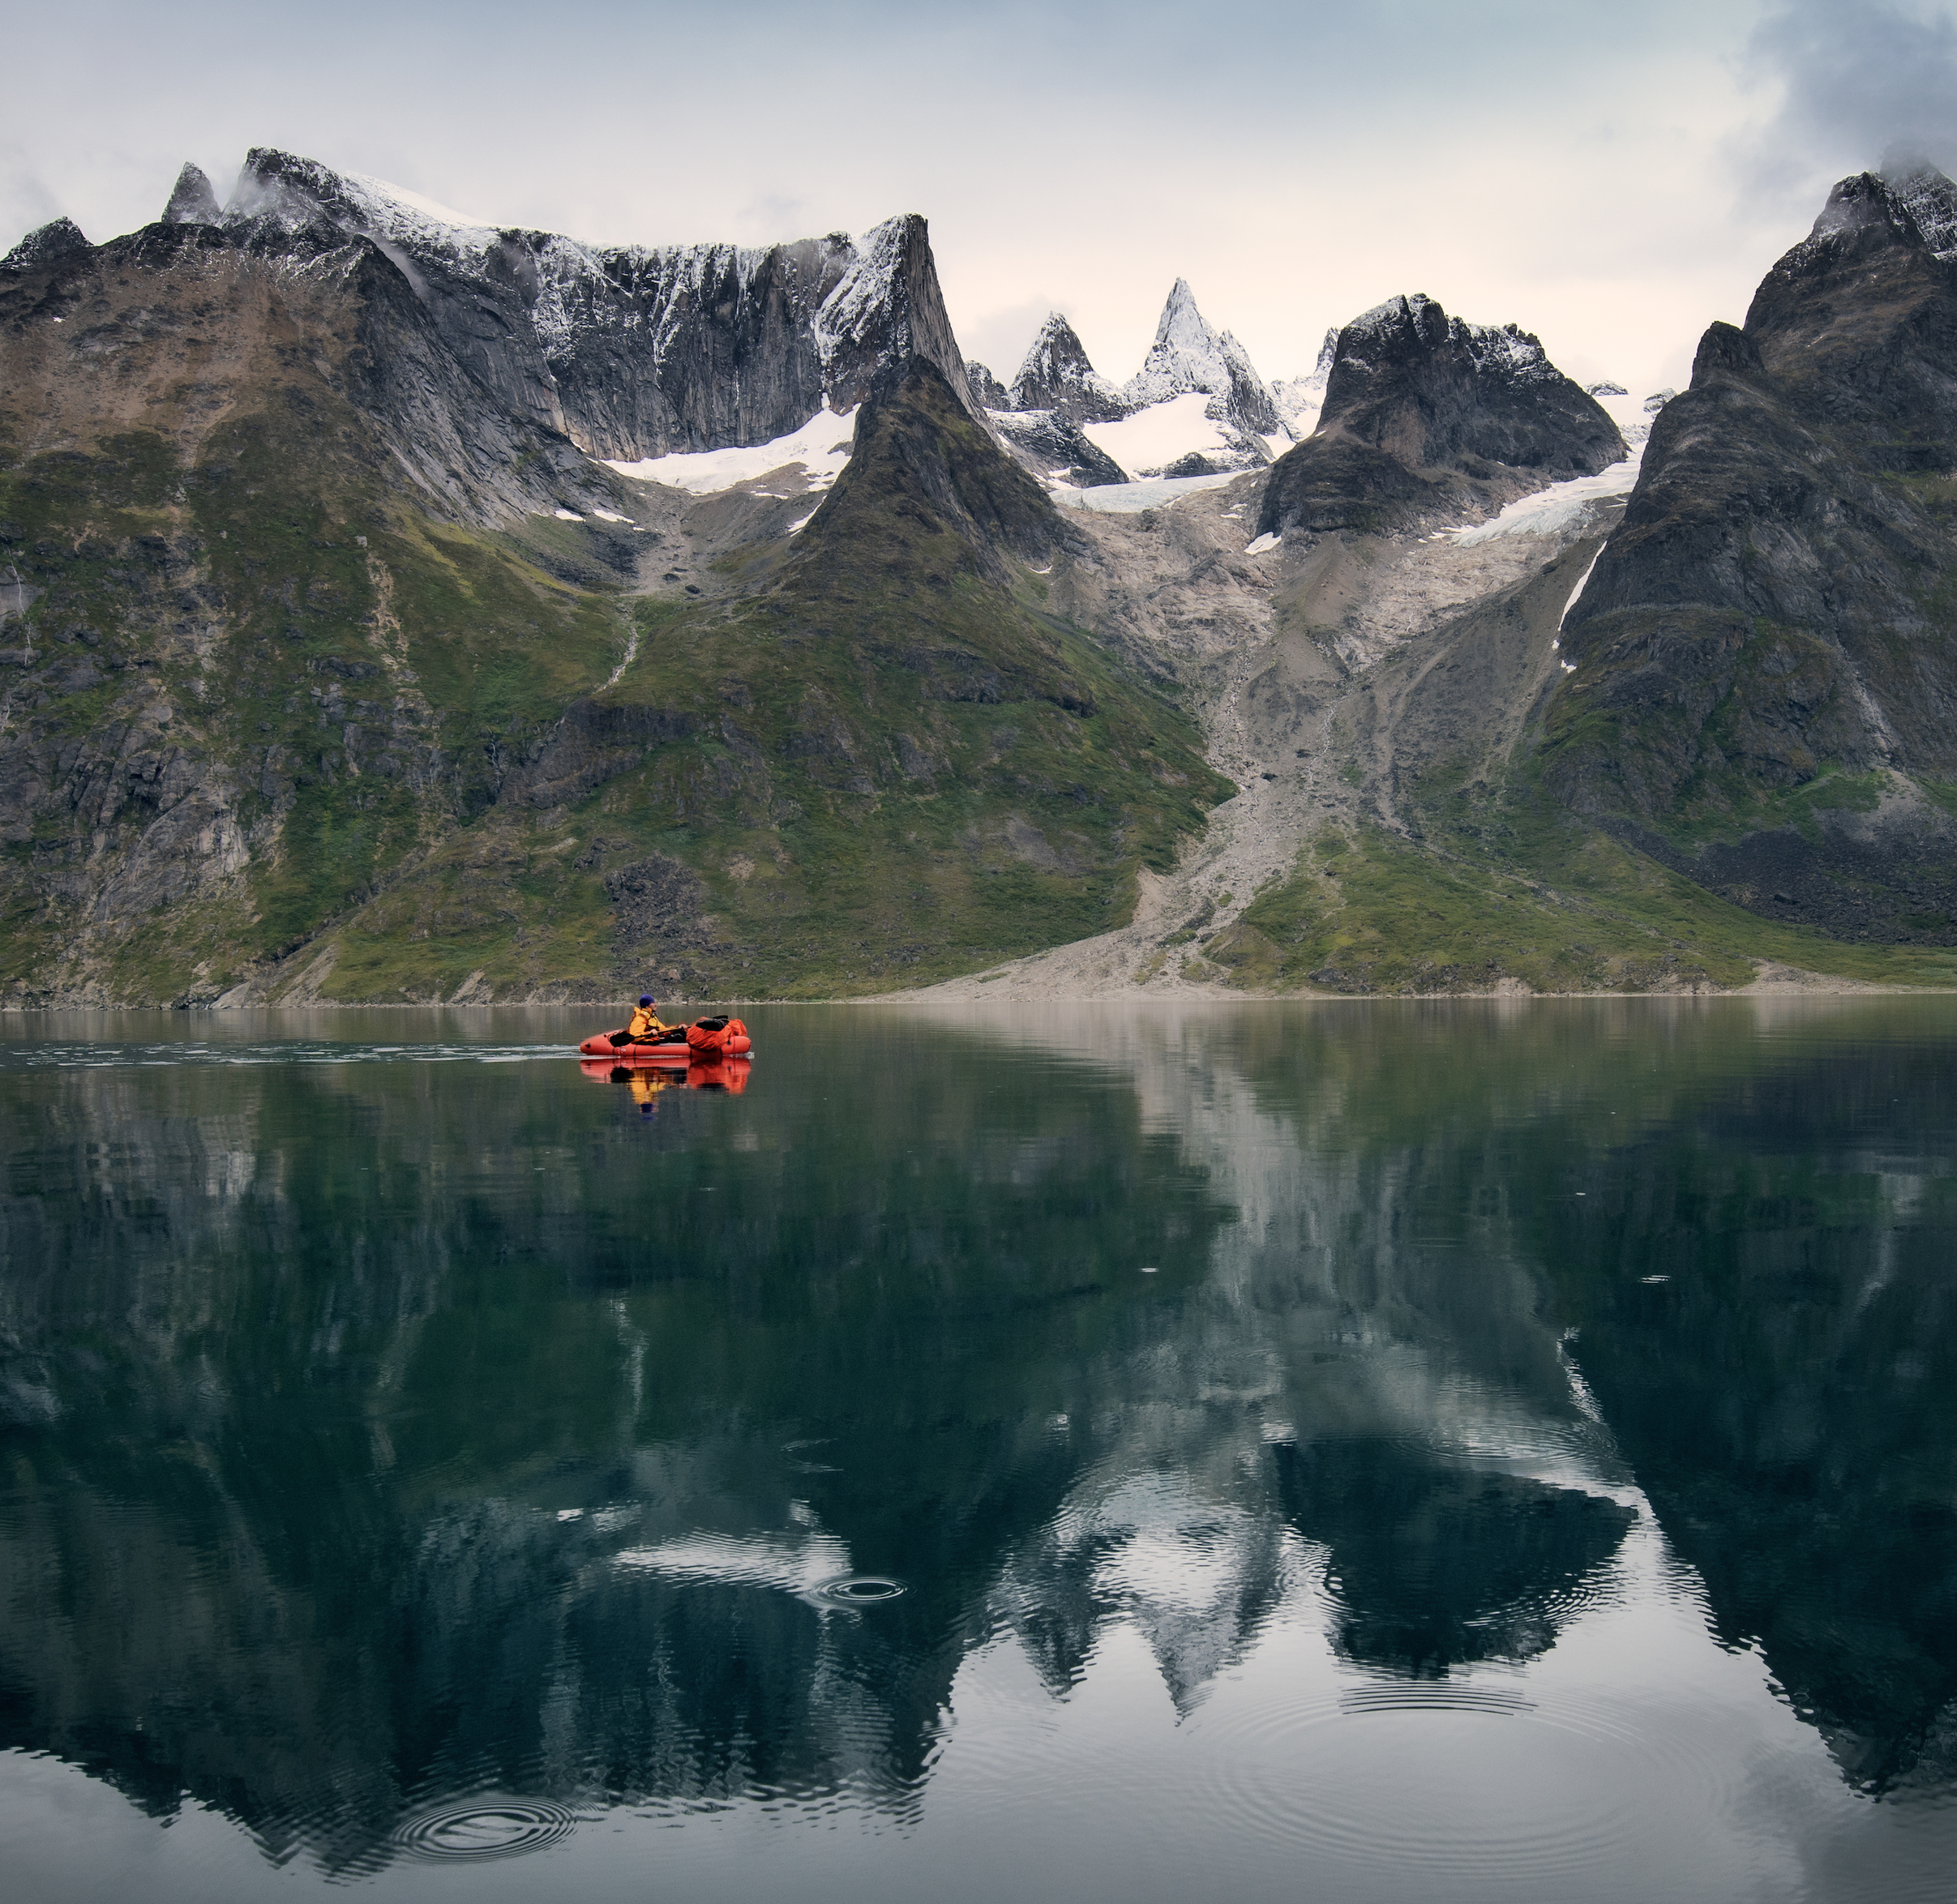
[[1131, 498], [819, 449], [1560, 508], [1154, 438]]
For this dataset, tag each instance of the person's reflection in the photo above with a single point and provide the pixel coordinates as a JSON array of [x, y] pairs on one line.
[[645, 1085]]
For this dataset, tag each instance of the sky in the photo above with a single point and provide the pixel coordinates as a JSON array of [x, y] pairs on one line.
[[1610, 177]]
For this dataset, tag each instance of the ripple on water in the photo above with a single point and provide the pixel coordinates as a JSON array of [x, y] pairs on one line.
[[1558, 1789], [486, 1827], [856, 1589]]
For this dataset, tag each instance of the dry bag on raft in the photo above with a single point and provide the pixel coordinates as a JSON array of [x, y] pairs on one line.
[[721, 1037]]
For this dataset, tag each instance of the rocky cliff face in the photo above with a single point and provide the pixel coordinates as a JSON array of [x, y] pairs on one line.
[[1423, 411], [316, 632], [631, 352], [1764, 648]]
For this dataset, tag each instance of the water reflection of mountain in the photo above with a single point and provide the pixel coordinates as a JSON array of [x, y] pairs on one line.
[[1435, 1566], [1773, 1336], [1744, 1207], [380, 1433], [337, 1394]]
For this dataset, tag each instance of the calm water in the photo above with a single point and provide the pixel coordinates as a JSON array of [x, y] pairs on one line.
[[1338, 1453]]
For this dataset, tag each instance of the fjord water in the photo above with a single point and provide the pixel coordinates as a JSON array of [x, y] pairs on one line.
[[1347, 1451]]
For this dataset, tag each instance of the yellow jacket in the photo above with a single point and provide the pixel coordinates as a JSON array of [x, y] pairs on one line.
[[645, 1023]]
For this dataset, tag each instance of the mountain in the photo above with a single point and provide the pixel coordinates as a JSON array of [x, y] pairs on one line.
[[1765, 672], [1197, 408], [344, 666], [393, 605], [631, 352], [1039, 418], [1423, 413], [1056, 375], [1188, 357], [1672, 724]]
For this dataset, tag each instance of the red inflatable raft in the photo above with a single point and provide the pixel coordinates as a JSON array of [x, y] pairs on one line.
[[703, 1043]]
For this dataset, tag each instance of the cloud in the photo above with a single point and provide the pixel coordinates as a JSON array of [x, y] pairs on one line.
[[1861, 85]]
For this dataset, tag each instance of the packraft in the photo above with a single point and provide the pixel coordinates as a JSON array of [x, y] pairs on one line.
[[708, 1039]]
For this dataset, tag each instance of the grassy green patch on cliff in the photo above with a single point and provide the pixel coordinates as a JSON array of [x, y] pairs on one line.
[[873, 759], [879, 763], [1526, 896]]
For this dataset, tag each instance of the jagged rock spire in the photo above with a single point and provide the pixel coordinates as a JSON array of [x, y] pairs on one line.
[[1056, 375], [1187, 356], [192, 199]]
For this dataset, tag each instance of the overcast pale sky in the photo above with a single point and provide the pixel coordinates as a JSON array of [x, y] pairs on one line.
[[1612, 177]]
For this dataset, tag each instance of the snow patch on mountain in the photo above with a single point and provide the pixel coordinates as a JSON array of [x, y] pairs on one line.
[[820, 451], [1300, 400], [1566, 508], [1152, 439], [1131, 498]]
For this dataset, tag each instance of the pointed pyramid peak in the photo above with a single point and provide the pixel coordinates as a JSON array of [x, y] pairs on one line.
[[192, 200], [1182, 323], [1056, 347], [1187, 356], [1057, 375]]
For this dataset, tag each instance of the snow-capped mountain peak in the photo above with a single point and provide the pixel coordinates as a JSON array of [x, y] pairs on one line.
[[1931, 200], [1188, 357], [1056, 375], [634, 351]]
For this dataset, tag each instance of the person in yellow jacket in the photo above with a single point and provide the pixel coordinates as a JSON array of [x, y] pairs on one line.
[[646, 1027]]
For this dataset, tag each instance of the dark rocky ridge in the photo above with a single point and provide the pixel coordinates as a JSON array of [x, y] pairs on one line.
[[46, 245], [1416, 401], [1774, 611], [632, 351]]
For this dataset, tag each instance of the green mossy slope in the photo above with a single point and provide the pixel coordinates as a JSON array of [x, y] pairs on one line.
[[267, 723]]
